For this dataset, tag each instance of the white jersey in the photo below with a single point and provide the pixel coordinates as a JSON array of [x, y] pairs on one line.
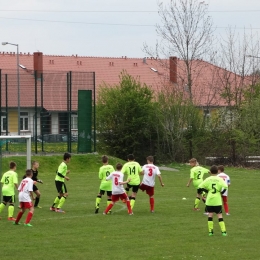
[[24, 189], [226, 178], [116, 178], [150, 171]]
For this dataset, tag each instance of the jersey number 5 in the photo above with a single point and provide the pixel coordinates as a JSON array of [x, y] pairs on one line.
[[7, 180], [213, 187]]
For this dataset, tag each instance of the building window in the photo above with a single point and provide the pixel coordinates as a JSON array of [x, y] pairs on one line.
[[24, 121], [74, 121], [4, 124]]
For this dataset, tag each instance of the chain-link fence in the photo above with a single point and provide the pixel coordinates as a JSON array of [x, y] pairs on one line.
[[45, 106]]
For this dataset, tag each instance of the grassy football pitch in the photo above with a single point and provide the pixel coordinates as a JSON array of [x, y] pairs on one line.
[[174, 231]]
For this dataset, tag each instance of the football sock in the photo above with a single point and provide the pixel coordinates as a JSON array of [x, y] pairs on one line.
[[29, 217], [128, 206], [10, 211], [62, 200], [151, 203], [197, 202], [56, 201], [98, 199], [222, 225], [36, 201], [210, 225], [132, 202], [2, 206], [20, 214], [109, 207], [109, 202], [226, 207]]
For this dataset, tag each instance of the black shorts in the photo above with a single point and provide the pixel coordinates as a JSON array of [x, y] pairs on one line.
[[109, 193], [135, 188], [9, 199], [61, 187], [214, 209], [35, 188]]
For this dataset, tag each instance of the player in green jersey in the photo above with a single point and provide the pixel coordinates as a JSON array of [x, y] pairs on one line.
[[196, 177], [9, 180], [105, 186], [215, 186], [133, 170], [60, 185]]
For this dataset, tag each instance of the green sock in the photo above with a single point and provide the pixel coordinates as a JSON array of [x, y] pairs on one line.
[[2, 206], [210, 225], [10, 211], [56, 201], [132, 203], [98, 199], [197, 202], [222, 225], [62, 200]]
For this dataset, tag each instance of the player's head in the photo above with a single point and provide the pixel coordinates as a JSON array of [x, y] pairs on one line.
[[28, 173], [104, 159], [214, 169], [193, 162], [66, 157], [221, 168], [12, 165], [119, 166], [150, 159], [35, 165], [130, 157]]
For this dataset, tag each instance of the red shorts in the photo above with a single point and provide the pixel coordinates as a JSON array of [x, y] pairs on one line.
[[149, 190], [26, 205], [115, 197]]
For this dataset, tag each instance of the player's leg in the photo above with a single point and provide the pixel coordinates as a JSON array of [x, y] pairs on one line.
[[11, 208], [38, 195], [225, 203], [29, 216], [150, 192], [98, 200], [210, 210], [58, 185], [220, 220], [128, 187], [135, 189], [197, 201], [109, 199], [114, 199], [20, 214], [125, 197], [3, 204], [63, 198]]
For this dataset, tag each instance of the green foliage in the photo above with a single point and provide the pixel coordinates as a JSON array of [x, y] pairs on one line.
[[125, 117]]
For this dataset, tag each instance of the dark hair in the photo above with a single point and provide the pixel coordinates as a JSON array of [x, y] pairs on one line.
[[130, 157], [66, 156], [214, 169], [150, 158], [12, 165], [221, 168], [119, 166], [28, 172], [104, 159]]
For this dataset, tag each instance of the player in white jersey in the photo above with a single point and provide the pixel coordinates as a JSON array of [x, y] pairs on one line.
[[148, 182], [118, 190], [226, 178], [25, 198]]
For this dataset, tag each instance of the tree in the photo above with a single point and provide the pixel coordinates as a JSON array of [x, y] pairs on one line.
[[125, 114]]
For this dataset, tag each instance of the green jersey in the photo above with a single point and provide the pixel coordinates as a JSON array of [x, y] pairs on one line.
[[214, 185], [105, 171], [62, 170], [197, 173], [132, 169], [9, 179]]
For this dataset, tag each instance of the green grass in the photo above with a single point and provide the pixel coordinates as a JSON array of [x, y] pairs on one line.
[[174, 231]]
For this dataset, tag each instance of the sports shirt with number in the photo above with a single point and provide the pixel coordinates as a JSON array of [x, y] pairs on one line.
[[104, 171], [197, 173], [226, 179], [132, 169], [116, 178], [62, 170], [214, 185], [9, 179], [150, 171], [24, 189]]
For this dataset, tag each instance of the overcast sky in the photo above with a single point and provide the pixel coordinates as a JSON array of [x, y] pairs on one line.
[[103, 28]]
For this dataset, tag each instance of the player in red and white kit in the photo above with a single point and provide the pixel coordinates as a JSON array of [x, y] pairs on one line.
[[118, 191], [148, 182], [226, 178], [25, 198]]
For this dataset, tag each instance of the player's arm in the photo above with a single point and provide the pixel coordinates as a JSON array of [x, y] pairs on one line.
[[189, 182], [100, 175], [31, 194], [125, 182], [160, 179]]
